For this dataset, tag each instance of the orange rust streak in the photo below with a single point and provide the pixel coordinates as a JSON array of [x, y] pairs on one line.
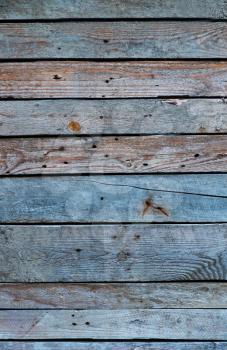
[[74, 126], [148, 205]]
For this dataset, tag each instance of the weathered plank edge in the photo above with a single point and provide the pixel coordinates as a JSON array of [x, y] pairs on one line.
[[28, 9], [85, 345]]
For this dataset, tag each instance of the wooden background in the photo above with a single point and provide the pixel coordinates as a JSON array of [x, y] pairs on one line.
[[113, 165]]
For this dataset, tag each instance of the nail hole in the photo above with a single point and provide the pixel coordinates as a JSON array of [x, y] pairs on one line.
[[59, 48], [116, 139], [94, 146], [74, 324], [101, 117], [145, 164], [106, 155], [182, 165], [57, 77], [44, 166], [78, 250], [105, 41], [73, 315], [101, 198], [196, 155], [87, 323], [66, 163], [107, 81]]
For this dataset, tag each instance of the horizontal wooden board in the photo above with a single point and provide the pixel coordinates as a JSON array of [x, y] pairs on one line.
[[72, 345], [109, 253], [165, 324], [30, 9], [157, 39], [97, 296], [128, 154], [81, 117], [166, 198], [76, 79]]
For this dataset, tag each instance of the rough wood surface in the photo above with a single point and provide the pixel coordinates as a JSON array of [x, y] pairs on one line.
[[166, 198], [70, 345], [81, 117], [128, 154], [94, 296], [76, 79], [31, 9], [165, 324], [111, 253], [101, 40]]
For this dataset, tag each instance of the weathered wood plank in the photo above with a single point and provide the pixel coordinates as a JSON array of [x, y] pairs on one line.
[[113, 253], [69, 345], [31, 9], [145, 116], [76, 79], [114, 324], [171, 198], [129, 154], [167, 39], [94, 296]]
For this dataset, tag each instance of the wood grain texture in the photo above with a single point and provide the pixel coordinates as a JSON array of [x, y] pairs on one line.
[[30, 9], [70, 345], [113, 253], [165, 324], [76, 79], [139, 116], [113, 296], [167, 39], [166, 198], [128, 154]]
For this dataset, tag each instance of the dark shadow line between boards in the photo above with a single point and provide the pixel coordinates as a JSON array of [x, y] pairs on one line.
[[158, 97], [113, 223], [216, 281], [84, 174], [95, 340], [113, 60], [113, 19], [80, 135]]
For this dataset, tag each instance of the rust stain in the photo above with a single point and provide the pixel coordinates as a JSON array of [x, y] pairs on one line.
[[74, 126], [149, 206], [162, 210]]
